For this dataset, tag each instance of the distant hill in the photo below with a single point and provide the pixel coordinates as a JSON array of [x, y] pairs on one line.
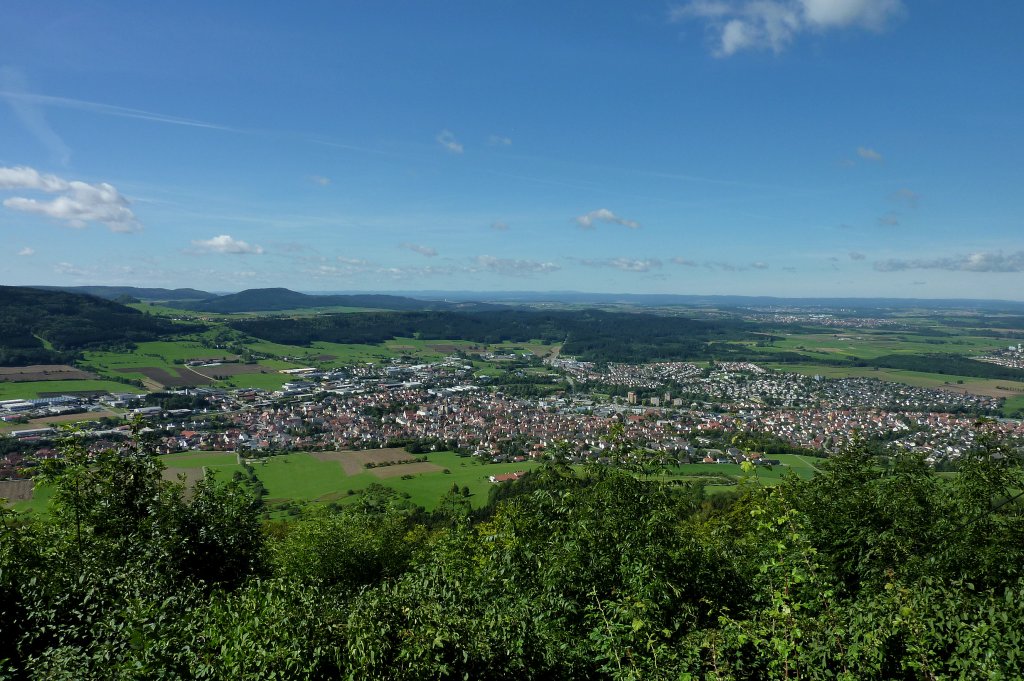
[[277, 299], [721, 301], [119, 292], [588, 334], [32, 319]]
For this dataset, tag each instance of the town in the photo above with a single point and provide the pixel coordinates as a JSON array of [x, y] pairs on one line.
[[724, 412]]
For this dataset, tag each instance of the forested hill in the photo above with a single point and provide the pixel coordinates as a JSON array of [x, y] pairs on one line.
[[120, 292], [68, 322], [589, 334], [276, 299]]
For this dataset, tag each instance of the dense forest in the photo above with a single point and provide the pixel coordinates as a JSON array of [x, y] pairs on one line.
[[30, 318], [589, 334], [863, 572], [276, 299], [140, 293]]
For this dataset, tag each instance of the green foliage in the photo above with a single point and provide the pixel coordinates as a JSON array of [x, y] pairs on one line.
[[589, 334], [862, 572], [347, 550], [69, 322]]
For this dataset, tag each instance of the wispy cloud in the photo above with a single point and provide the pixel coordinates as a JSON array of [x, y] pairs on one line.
[[27, 251], [735, 267], [14, 89], [588, 220], [854, 255], [499, 141], [513, 267], [112, 110], [227, 245], [499, 225], [625, 264], [78, 203], [418, 248], [352, 262], [889, 220], [685, 262], [446, 138], [905, 197], [320, 180], [869, 154], [737, 25], [971, 262]]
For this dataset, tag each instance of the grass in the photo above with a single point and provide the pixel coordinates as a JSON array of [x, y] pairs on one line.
[[303, 478], [1014, 405], [800, 466], [199, 460], [39, 503], [32, 389], [869, 344], [981, 386]]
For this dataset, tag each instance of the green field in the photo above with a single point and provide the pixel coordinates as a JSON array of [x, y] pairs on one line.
[[39, 502], [301, 477], [869, 344], [981, 386], [32, 389]]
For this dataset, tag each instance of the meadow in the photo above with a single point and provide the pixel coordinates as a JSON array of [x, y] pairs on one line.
[[33, 389], [303, 477], [308, 478]]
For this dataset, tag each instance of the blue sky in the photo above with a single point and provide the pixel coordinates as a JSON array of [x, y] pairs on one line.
[[768, 147]]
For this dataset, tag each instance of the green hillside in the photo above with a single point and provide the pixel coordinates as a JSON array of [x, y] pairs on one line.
[[47, 327], [277, 299]]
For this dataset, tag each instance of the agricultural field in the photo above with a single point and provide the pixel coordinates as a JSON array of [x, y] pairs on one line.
[[979, 386], [58, 420], [870, 344], [32, 389], [802, 467], [44, 372], [321, 477], [160, 364]]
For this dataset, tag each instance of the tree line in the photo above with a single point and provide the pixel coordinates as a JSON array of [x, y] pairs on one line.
[[50, 327], [863, 572]]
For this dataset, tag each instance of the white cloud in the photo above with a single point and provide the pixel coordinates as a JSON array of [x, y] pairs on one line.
[[225, 244], [499, 225], [26, 251], [685, 262], [971, 262], [625, 264], [320, 180], [417, 248], [512, 267], [604, 215], [446, 138], [499, 141], [869, 154], [870, 14], [79, 203], [773, 24]]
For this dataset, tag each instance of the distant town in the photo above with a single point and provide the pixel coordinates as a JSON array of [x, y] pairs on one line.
[[726, 412]]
